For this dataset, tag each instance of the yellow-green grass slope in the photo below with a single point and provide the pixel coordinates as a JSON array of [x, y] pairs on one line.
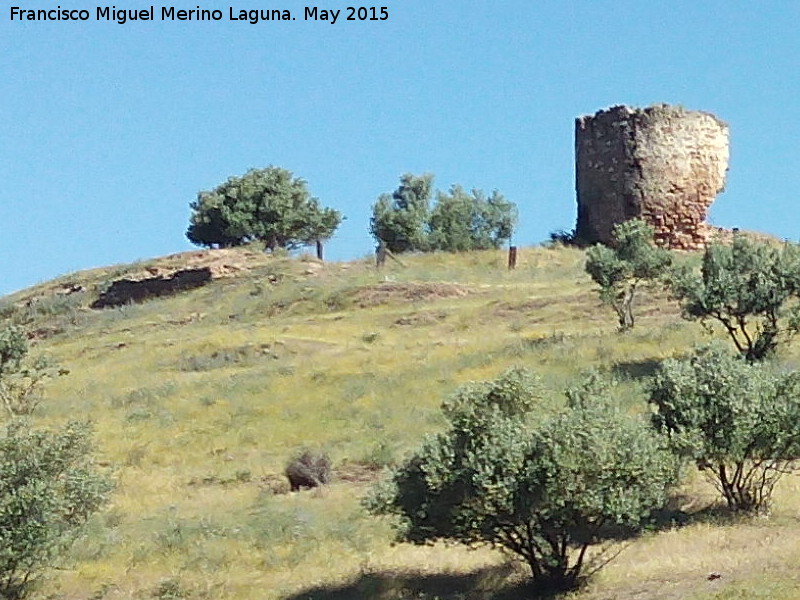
[[199, 399]]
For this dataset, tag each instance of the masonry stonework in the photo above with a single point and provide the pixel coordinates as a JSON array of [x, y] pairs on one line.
[[663, 164]]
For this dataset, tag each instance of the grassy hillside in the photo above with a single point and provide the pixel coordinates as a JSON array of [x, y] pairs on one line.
[[200, 398]]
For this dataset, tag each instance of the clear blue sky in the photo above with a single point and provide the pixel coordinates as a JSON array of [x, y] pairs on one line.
[[108, 131]]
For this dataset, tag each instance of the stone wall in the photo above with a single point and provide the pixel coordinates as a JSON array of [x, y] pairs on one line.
[[125, 291], [664, 164]]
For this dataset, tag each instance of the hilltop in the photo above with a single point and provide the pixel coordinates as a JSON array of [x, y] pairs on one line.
[[199, 397]]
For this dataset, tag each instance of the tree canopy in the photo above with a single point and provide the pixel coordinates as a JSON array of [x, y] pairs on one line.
[[49, 486], [752, 288], [268, 205], [400, 219], [405, 221], [21, 377], [620, 270], [541, 487], [736, 420], [464, 220]]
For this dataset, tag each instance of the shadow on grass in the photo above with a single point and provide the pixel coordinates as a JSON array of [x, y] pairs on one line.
[[494, 583], [504, 582], [677, 513], [713, 513], [719, 513]]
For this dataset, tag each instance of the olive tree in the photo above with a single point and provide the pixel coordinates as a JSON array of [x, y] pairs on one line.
[[633, 260], [400, 219], [540, 487], [49, 486], [737, 421], [462, 221], [268, 205], [406, 221], [751, 288]]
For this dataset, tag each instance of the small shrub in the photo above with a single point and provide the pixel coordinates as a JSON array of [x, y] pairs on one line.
[[633, 262], [542, 490], [243, 475], [170, 589], [275, 484], [309, 469], [48, 489], [337, 300], [562, 237], [380, 455], [750, 288], [737, 421], [22, 379], [370, 337]]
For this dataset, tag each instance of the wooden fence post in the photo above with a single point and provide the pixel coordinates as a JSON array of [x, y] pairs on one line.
[[512, 258], [380, 254]]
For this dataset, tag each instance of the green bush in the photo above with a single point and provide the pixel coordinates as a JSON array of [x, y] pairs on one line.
[[170, 589], [21, 379], [270, 205], [621, 270], [399, 220], [750, 288], [562, 237], [49, 487], [542, 489], [463, 221], [404, 221], [737, 421]]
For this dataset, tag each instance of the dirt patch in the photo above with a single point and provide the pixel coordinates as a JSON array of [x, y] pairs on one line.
[[225, 262], [385, 293]]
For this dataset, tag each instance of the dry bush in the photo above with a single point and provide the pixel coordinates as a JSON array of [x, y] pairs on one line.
[[309, 469]]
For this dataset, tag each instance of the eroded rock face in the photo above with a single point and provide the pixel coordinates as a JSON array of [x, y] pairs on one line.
[[664, 164], [125, 291]]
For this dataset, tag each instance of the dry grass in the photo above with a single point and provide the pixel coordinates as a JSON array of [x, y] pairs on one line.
[[200, 398]]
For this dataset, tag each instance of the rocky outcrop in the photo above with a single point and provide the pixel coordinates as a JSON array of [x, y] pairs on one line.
[[663, 164], [126, 291]]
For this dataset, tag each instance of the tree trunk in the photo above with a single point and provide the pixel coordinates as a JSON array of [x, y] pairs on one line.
[[625, 311]]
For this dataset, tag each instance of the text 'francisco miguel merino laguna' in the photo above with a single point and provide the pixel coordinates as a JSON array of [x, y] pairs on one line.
[[170, 13]]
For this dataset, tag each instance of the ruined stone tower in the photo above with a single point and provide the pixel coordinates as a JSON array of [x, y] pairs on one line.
[[664, 164]]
